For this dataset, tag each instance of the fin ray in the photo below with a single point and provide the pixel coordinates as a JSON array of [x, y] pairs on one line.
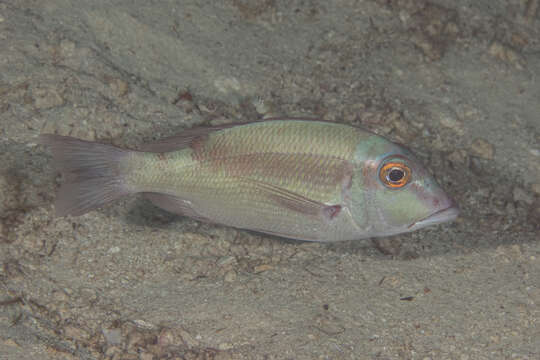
[[175, 205], [93, 173], [297, 202], [183, 140]]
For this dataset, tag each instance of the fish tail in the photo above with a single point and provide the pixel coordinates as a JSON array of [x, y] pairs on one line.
[[94, 173]]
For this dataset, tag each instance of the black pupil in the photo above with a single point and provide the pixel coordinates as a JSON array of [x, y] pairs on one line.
[[395, 175]]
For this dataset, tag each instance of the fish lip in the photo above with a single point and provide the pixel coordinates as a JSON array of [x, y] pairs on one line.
[[444, 215]]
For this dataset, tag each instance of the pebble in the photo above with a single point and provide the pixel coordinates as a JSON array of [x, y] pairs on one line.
[[507, 55], [135, 339], [72, 332], [167, 338], [534, 214], [113, 336], [46, 98], [391, 281], [388, 245], [230, 276], [403, 129], [187, 338], [114, 250], [55, 126], [67, 48], [7, 194], [329, 325], [482, 148], [225, 346], [227, 261], [227, 84], [112, 350], [262, 268], [452, 123], [118, 87], [536, 188], [146, 356], [521, 195], [59, 295], [143, 324], [10, 342], [459, 158]]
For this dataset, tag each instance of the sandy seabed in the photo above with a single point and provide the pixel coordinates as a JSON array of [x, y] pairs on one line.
[[458, 82]]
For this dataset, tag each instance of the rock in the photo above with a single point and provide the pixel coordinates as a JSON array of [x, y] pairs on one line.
[[506, 54], [67, 48], [482, 148], [521, 195], [262, 268], [7, 194], [388, 245], [143, 324], [167, 337], [72, 332], [119, 87], [46, 98], [230, 276], [135, 339], [534, 214], [187, 339], [225, 346], [113, 336], [452, 123], [403, 129], [146, 356], [11, 342], [227, 84], [459, 158], [112, 351]]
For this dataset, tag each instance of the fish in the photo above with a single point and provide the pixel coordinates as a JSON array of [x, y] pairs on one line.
[[301, 179]]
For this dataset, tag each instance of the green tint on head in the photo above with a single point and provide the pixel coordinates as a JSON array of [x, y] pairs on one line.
[[371, 147], [400, 206], [392, 192]]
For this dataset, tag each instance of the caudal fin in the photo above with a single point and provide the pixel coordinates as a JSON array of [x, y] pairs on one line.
[[93, 172]]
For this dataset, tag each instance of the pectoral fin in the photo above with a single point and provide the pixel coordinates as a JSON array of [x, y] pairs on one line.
[[297, 202], [174, 205]]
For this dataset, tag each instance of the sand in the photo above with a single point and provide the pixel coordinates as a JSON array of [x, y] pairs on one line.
[[457, 82]]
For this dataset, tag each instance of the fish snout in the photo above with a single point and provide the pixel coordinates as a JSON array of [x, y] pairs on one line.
[[444, 209]]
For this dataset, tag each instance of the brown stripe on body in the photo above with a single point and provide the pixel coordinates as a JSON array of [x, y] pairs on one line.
[[310, 171], [303, 150], [309, 159], [197, 146]]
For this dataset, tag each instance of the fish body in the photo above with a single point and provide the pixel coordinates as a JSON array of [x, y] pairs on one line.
[[300, 179]]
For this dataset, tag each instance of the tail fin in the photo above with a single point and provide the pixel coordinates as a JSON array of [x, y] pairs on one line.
[[93, 173]]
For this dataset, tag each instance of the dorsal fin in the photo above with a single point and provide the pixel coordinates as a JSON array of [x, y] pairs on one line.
[[182, 140], [188, 136]]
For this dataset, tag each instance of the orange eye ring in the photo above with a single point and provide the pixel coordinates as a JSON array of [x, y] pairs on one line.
[[395, 175]]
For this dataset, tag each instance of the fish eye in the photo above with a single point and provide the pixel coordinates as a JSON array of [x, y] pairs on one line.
[[395, 175]]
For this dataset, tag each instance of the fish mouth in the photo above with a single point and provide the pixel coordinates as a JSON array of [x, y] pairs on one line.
[[448, 214]]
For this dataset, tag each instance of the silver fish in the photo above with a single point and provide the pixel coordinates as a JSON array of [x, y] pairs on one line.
[[300, 179]]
